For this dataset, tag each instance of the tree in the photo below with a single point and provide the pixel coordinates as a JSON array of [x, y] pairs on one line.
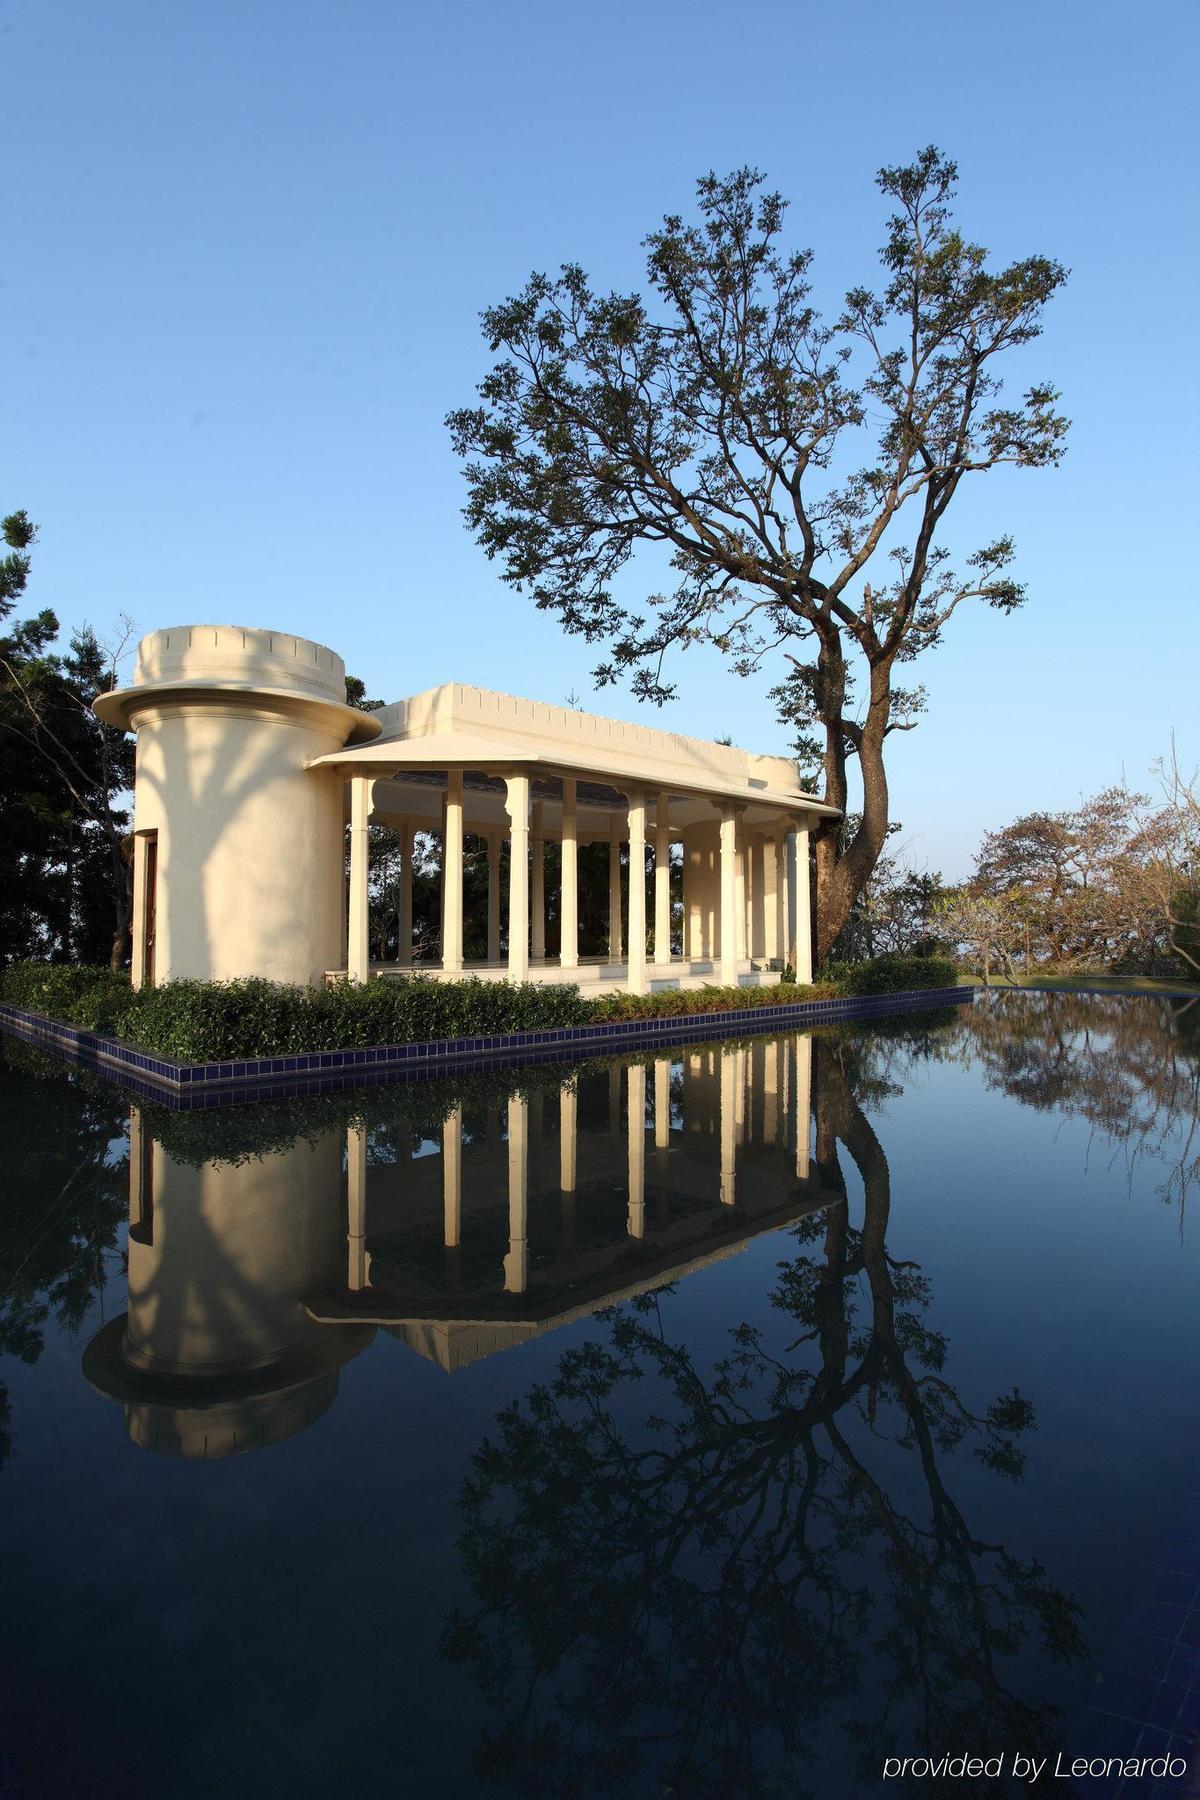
[[1175, 871], [990, 927], [719, 417], [69, 887], [1103, 885]]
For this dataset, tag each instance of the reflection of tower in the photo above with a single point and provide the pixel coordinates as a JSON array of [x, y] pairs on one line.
[[215, 1354]]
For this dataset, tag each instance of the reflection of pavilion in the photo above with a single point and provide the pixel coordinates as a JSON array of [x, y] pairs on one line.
[[246, 1295], [525, 1218]]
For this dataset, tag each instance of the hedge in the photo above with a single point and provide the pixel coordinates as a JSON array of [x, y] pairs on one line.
[[214, 1021]]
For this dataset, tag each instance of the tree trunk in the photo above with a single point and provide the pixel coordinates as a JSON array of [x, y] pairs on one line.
[[841, 878]]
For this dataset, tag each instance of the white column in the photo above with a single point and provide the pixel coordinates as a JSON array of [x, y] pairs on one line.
[[730, 1072], [662, 881], [516, 1263], [637, 892], [137, 966], [517, 787], [452, 873], [741, 892], [772, 942], [358, 1273], [568, 903], [783, 852], [404, 927], [728, 956], [802, 1103], [452, 1178], [537, 901], [358, 951], [804, 958], [493, 922], [614, 892], [636, 1128]]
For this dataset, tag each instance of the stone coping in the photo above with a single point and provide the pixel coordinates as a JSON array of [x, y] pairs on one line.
[[189, 1085]]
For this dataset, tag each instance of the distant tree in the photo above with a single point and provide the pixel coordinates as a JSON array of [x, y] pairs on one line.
[[719, 417], [1102, 885], [68, 886]]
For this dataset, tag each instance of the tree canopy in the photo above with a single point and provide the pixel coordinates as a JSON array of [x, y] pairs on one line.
[[778, 458], [64, 872]]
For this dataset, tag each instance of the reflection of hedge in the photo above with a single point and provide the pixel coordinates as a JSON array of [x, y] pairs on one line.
[[213, 1021], [237, 1134]]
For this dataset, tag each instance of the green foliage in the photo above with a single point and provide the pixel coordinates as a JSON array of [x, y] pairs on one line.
[[676, 1003], [207, 1021], [64, 874], [212, 1021], [894, 975], [94, 999]]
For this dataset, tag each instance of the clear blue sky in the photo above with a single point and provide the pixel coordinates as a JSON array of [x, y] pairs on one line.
[[247, 241]]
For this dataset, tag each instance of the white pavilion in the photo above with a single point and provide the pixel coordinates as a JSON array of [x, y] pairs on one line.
[[250, 763]]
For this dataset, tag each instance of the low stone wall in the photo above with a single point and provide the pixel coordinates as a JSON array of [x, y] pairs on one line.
[[275, 1077]]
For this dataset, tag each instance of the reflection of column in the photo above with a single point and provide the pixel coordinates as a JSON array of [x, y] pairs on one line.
[[730, 1070], [452, 873], [568, 1120], [803, 1104], [729, 970], [636, 1127], [770, 1059], [537, 900], [662, 1138], [493, 897], [662, 1102], [452, 1177], [358, 1274], [614, 891], [637, 892], [516, 1263], [662, 881], [568, 903], [804, 958], [614, 1099], [358, 948], [517, 789], [404, 928]]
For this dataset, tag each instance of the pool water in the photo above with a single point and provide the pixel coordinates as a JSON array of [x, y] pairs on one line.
[[739, 1421]]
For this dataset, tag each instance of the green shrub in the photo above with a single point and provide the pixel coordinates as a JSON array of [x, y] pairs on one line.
[[210, 1021], [91, 998], [894, 975], [216, 1021], [675, 1003]]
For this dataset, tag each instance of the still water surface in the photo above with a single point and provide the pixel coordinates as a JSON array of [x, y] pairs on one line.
[[715, 1424]]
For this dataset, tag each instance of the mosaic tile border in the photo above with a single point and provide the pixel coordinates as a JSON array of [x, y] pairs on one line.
[[267, 1077]]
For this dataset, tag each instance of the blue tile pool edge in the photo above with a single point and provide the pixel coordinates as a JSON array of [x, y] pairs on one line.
[[215, 1083]]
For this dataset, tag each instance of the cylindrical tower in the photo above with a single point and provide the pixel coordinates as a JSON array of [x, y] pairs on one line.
[[238, 849]]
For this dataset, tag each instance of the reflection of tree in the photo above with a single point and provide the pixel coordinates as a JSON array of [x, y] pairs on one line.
[[685, 1602], [66, 1196], [1131, 1068]]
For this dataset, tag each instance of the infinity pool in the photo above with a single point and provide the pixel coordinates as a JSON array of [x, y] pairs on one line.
[[742, 1421]]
